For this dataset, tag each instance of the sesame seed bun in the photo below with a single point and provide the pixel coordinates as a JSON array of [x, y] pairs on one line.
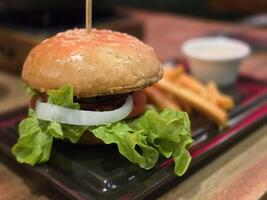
[[100, 63]]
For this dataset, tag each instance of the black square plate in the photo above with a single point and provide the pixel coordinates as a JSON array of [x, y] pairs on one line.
[[99, 172]]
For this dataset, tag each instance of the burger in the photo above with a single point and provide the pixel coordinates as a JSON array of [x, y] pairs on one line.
[[87, 89]]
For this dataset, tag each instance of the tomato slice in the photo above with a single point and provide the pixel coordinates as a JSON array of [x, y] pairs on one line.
[[33, 102], [139, 101], [43, 98]]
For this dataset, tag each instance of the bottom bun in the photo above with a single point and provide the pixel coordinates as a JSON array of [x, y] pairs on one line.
[[89, 138]]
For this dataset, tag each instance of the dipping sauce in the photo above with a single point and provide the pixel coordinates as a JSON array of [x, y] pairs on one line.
[[215, 58]]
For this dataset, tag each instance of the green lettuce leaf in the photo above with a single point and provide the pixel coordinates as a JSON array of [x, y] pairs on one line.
[[34, 144], [73, 133], [141, 141], [36, 136], [62, 97], [30, 91], [127, 141], [169, 133]]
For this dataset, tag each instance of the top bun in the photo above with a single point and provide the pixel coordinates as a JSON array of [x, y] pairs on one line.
[[101, 63]]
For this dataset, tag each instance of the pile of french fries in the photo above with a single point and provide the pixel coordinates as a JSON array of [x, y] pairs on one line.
[[182, 92]]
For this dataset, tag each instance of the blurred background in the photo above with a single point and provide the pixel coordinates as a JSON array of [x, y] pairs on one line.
[[23, 23], [163, 24]]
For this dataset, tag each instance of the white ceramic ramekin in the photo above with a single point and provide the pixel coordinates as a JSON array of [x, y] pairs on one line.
[[215, 58]]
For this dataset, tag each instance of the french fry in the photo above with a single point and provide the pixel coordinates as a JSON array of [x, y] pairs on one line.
[[182, 105], [213, 93], [223, 101], [171, 73], [226, 102], [192, 84], [202, 105], [159, 99]]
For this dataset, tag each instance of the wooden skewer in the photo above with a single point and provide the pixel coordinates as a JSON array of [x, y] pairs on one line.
[[88, 16]]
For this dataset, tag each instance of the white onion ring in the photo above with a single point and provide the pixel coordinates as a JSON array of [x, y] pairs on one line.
[[50, 112]]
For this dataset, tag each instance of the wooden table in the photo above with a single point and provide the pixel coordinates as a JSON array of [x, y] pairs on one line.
[[240, 173]]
